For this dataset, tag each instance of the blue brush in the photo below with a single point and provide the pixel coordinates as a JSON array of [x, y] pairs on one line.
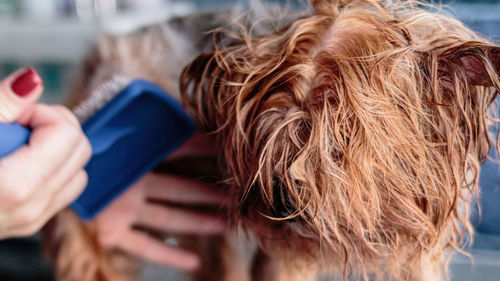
[[133, 131]]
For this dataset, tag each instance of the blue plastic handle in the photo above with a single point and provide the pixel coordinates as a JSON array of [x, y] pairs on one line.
[[12, 137], [129, 136]]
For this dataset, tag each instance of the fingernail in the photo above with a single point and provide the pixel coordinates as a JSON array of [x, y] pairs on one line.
[[26, 82]]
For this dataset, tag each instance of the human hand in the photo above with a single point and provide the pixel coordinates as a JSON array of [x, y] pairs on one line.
[[46, 175], [115, 224]]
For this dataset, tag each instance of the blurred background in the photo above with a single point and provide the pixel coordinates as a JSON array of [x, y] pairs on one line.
[[53, 35]]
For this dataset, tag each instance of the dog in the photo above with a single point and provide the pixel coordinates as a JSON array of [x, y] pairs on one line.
[[349, 139]]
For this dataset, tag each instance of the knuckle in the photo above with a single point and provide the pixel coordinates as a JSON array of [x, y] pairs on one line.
[[76, 187], [71, 133], [67, 118], [20, 196], [84, 178], [87, 149], [62, 110], [80, 181], [69, 115]]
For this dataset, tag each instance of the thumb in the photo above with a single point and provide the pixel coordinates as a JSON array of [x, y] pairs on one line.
[[19, 91]]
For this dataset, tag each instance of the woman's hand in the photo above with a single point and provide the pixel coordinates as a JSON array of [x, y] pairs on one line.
[[46, 175], [115, 225]]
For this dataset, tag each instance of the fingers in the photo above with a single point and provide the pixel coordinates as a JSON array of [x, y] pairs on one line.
[[197, 145], [177, 220], [67, 193], [18, 92], [30, 217], [72, 165], [183, 190], [146, 247], [115, 224], [47, 174], [69, 116], [53, 142]]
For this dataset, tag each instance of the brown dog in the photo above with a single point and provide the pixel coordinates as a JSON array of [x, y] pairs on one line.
[[350, 140]]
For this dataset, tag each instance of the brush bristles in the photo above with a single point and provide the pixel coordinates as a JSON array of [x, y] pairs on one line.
[[99, 97]]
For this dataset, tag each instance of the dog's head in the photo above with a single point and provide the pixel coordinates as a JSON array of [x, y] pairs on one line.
[[359, 127]]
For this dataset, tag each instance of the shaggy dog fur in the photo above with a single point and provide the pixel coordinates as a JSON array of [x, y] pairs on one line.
[[350, 140]]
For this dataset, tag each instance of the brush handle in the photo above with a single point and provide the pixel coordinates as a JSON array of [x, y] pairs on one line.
[[12, 137]]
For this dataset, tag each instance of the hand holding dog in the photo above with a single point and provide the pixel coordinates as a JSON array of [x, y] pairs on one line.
[[46, 175], [115, 224]]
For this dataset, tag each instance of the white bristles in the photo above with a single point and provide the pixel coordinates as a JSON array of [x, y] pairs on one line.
[[100, 96]]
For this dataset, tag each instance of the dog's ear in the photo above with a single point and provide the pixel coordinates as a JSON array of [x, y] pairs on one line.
[[480, 64]]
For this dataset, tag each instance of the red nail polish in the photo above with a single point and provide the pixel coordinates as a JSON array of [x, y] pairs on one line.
[[26, 82]]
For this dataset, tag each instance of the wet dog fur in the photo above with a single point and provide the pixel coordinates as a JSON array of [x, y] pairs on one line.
[[349, 138]]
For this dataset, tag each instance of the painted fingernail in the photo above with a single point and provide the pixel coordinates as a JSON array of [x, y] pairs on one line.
[[26, 82]]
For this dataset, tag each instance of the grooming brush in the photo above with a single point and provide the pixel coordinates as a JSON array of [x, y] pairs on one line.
[[131, 126]]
